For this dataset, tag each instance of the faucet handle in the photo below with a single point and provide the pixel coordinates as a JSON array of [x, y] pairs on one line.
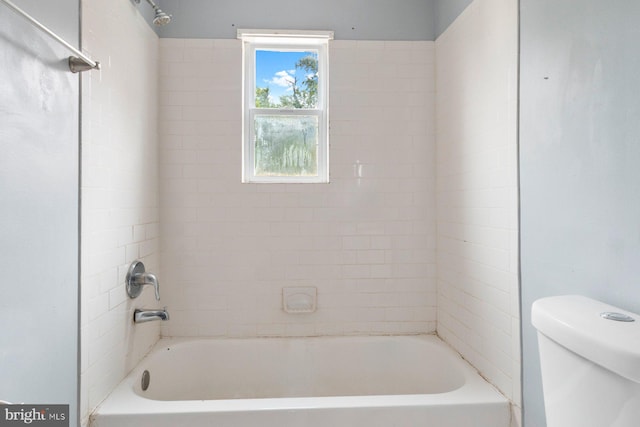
[[138, 277], [149, 279]]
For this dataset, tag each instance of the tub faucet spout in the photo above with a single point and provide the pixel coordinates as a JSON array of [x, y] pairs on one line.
[[142, 316]]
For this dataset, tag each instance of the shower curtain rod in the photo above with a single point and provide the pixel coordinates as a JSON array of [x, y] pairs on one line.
[[77, 63]]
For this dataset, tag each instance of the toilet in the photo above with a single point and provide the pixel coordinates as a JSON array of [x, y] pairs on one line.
[[590, 360]]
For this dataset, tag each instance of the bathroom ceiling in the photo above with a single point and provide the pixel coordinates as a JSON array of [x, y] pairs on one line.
[[355, 20]]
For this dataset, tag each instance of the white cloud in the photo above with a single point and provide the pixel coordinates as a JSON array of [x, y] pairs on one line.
[[282, 78]]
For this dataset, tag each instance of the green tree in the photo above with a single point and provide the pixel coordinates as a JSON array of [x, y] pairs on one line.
[[304, 95], [310, 65], [262, 98]]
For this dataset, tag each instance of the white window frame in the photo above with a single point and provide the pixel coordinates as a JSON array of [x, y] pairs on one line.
[[299, 41]]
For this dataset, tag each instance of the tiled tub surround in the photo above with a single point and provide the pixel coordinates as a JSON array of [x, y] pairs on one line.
[[120, 208], [313, 382], [366, 240], [478, 301]]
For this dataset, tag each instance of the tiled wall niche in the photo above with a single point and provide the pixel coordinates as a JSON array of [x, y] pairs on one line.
[[366, 242]]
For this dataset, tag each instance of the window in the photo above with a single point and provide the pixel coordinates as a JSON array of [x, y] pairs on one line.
[[285, 120]]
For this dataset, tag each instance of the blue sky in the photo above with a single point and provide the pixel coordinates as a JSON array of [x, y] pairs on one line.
[[275, 68]]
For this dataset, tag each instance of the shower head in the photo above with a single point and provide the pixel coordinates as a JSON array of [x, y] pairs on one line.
[[161, 18]]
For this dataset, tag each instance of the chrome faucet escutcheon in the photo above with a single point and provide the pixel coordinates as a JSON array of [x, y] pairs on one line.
[[137, 277]]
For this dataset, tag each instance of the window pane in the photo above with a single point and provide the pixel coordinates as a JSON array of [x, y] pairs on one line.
[[286, 145], [286, 79]]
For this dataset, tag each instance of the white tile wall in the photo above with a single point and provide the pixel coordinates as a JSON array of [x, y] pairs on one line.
[[367, 244], [476, 76], [119, 192]]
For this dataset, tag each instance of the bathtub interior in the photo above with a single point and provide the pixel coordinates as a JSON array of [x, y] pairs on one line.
[[406, 381], [312, 367]]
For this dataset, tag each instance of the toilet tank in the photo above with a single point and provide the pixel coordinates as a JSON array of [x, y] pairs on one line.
[[590, 362]]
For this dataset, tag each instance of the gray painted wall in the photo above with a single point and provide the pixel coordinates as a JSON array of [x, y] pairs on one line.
[[350, 19], [147, 12], [38, 211], [60, 16], [446, 11], [579, 161]]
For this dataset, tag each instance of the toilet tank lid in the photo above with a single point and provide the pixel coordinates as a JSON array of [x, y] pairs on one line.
[[575, 322]]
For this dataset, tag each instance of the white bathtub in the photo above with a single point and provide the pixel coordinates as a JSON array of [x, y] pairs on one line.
[[304, 382]]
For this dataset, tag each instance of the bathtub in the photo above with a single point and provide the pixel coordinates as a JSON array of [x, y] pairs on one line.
[[304, 382]]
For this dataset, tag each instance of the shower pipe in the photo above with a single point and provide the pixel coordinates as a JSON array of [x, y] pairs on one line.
[[77, 63]]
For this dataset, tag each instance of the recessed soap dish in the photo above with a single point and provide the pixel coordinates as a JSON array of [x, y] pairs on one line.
[[299, 300]]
